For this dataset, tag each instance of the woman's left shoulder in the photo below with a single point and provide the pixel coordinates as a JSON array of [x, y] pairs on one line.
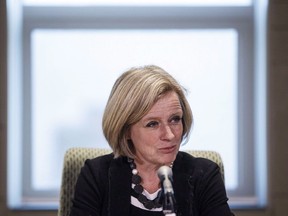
[[186, 157], [187, 160]]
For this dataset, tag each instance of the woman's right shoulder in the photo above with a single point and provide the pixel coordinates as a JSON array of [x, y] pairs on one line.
[[100, 162], [101, 165]]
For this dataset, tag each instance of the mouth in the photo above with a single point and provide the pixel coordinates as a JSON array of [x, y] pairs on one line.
[[167, 150]]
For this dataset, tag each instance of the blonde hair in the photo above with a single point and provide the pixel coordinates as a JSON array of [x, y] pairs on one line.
[[132, 96]]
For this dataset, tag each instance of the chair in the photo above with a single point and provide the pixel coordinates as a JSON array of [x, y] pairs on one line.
[[75, 157]]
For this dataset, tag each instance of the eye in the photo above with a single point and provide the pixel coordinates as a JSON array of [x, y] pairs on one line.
[[176, 119], [152, 124]]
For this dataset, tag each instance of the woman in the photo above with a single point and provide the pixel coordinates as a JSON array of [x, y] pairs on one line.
[[146, 119]]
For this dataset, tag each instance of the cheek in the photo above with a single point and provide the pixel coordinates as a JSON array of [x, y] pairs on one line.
[[137, 135], [178, 130]]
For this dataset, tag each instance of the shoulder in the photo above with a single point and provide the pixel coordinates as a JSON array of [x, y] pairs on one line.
[[96, 168], [187, 163], [101, 164], [186, 158], [100, 161]]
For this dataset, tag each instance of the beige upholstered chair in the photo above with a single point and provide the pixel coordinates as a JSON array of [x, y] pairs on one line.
[[74, 159]]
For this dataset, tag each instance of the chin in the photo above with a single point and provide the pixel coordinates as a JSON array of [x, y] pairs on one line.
[[168, 159]]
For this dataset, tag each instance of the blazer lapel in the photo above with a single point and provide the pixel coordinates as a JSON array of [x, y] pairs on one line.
[[182, 188], [119, 187]]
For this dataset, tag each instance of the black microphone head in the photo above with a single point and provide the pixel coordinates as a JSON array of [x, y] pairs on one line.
[[164, 172]]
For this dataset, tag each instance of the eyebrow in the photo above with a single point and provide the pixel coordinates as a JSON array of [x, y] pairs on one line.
[[147, 118]]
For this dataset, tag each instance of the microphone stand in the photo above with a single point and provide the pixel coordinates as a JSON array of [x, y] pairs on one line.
[[165, 176], [168, 204]]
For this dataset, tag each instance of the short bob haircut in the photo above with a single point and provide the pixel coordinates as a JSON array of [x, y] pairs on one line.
[[132, 96]]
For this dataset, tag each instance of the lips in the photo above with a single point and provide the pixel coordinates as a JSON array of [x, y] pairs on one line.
[[168, 150]]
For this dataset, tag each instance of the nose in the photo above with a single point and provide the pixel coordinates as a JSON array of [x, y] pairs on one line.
[[167, 132]]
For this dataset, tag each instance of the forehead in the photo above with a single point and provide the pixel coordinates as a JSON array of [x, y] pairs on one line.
[[168, 103]]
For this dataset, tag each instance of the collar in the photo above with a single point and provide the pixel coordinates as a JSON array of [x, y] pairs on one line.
[[120, 186]]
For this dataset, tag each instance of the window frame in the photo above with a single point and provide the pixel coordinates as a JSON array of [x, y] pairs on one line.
[[109, 17]]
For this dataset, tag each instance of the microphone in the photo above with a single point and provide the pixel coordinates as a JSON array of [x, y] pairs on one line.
[[165, 176]]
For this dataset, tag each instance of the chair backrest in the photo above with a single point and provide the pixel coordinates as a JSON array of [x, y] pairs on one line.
[[75, 157]]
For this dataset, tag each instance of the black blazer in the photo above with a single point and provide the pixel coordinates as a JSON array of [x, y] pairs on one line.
[[104, 185]]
